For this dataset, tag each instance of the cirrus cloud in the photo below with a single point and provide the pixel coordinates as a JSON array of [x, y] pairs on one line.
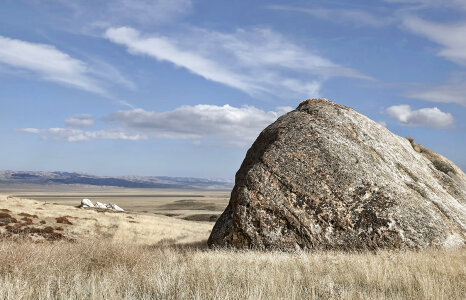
[[48, 63], [81, 120], [258, 61], [356, 17], [78, 135]]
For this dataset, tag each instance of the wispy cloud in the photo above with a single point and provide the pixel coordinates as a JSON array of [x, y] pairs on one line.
[[78, 135], [452, 37], [233, 125], [425, 4], [256, 62], [236, 126], [88, 13], [453, 91], [356, 17], [47, 63], [81, 120], [149, 11], [424, 117]]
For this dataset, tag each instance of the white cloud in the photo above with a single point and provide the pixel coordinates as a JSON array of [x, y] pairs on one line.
[[148, 11], [109, 73], [235, 125], [116, 12], [355, 16], [48, 63], [453, 91], [78, 135], [165, 50], [451, 36], [256, 62], [81, 120], [424, 117], [420, 4]]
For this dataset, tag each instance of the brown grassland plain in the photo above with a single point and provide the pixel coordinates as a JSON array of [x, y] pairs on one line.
[[140, 256]]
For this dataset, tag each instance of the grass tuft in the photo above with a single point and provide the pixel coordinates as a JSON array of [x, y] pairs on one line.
[[443, 166]]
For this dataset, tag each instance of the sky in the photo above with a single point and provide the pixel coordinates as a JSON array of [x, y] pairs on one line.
[[183, 87]]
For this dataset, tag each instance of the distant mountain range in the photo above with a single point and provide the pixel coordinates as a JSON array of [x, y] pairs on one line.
[[64, 178]]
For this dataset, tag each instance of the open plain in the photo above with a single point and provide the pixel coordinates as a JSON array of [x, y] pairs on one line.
[[201, 205], [151, 252]]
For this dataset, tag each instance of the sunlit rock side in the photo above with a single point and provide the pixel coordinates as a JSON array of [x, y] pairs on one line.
[[326, 177]]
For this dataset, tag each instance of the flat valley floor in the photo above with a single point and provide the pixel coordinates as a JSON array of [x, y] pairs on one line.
[[156, 249], [194, 205]]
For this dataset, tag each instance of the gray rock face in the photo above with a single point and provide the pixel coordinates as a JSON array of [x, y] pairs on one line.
[[326, 177]]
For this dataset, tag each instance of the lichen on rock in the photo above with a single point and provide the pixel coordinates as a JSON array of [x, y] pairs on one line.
[[326, 177]]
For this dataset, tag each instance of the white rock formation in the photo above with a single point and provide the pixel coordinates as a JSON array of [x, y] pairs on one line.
[[115, 207], [86, 203], [100, 205]]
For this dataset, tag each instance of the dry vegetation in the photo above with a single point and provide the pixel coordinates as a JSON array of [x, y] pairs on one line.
[[77, 224], [132, 256], [99, 270]]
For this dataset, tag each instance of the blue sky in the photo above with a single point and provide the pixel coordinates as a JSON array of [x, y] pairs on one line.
[[183, 87]]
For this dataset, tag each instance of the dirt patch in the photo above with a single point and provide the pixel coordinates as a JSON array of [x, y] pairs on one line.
[[47, 233], [6, 221], [28, 215], [27, 220], [63, 220], [6, 218], [5, 215]]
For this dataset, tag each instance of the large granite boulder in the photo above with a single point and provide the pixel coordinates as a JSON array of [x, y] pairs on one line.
[[326, 177]]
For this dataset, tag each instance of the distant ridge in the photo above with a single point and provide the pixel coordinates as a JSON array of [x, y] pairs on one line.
[[8, 178]]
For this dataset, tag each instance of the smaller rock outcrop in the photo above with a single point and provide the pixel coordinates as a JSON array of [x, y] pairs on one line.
[[100, 205], [86, 203]]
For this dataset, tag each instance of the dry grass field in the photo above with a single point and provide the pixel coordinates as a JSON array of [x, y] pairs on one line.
[[91, 224], [105, 255], [97, 270]]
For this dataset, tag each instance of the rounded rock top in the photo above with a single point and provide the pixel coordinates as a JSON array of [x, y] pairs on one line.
[[324, 101]]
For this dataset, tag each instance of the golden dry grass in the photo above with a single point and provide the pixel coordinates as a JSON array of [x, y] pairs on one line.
[[109, 226], [132, 256], [97, 270]]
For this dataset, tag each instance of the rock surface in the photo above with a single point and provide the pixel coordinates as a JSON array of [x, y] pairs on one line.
[[326, 177], [86, 203]]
